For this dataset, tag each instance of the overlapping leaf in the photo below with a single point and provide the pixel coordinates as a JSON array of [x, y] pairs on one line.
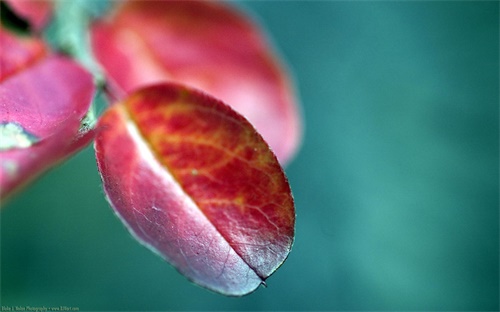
[[194, 181], [43, 99], [18, 53], [206, 45]]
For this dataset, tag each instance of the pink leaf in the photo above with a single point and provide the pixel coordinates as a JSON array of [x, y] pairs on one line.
[[42, 104], [206, 45], [18, 53]]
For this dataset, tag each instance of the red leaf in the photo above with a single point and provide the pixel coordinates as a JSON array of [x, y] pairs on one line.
[[42, 103], [209, 46], [193, 181]]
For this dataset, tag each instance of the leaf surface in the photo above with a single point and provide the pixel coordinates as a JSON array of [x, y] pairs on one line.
[[43, 99], [193, 181], [206, 45]]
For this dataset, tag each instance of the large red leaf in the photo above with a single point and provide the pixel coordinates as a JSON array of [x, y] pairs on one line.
[[43, 100], [206, 45], [194, 181]]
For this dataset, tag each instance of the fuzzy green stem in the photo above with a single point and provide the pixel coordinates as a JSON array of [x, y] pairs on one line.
[[69, 33]]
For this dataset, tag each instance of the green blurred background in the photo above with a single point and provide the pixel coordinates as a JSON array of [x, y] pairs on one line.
[[396, 184]]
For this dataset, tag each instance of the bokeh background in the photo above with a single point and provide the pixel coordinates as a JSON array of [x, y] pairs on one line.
[[396, 184]]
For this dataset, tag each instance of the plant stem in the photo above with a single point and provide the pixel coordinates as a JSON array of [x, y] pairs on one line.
[[69, 33], [72, 21]]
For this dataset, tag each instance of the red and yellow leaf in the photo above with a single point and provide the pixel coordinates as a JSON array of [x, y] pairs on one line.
[[196, 183], [206, 45]]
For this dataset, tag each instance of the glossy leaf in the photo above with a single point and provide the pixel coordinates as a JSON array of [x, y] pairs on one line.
[[43, 100], [206, 45], [193, 181]]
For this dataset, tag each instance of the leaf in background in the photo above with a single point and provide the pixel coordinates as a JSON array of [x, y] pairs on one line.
[[206, 45], [43, 100], [36, 12], [193, 181], [18, 53]]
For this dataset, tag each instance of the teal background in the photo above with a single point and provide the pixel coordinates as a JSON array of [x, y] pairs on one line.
[[396, 184]]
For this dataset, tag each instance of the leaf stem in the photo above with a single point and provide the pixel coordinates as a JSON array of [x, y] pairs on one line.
[[69, 34]]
